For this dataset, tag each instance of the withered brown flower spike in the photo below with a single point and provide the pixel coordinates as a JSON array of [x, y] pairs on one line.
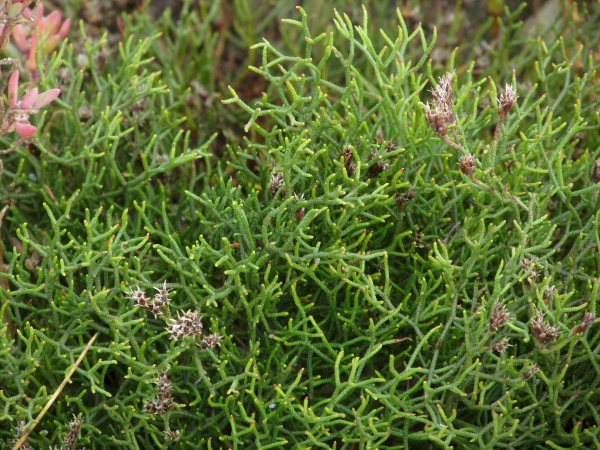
[[530, 281], [501, 345], [498, 317], [534, 368], [466, 164], [543, 332], [587, 319], [596, 171], [439, 115], [276, 183], [188, 324], [506, 101], [346, 154], [164, 396]]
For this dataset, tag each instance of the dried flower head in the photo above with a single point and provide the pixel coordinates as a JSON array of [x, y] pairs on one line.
[[210, 341], [276, 183], [403, 198], [164, 396], [408, 195], [501, 345], [436, 118], [466, 164], [442, 93], [174, 435], [71, 436], [188, 324], [441, 115], [548, 293], [533, 369], [154, 407], [498, 317], [139, 298], [529, 282], [161, 298], [380, 165], [299, 211], [349, 165], [541, 331], [20, 430], [596, 171], [506, 101], [587, 320], [163, 389]]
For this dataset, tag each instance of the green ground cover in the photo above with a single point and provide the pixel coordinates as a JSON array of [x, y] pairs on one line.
[[307, 228]]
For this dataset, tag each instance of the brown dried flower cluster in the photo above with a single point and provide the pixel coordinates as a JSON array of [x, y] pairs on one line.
[[501, 345], [164, 396], [506, 101], [466, 164], [498, 317], [587, 320], [188, 324], [299, 211], [548, 293], [534, 368], [19, 432], [349, 165], [210, 341], [71, 436], [541, 331], [174, 435], [403, 198], [439, 115], [381, 165], [596, 172], [529, 282], [157, 304], [276, 182]]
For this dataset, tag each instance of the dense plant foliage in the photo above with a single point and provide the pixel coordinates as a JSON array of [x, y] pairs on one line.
[[390, 248]]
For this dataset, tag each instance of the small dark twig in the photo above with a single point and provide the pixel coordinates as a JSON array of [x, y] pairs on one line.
[[447, 238]]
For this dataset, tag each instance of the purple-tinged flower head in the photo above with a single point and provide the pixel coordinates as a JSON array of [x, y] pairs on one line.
[[31, 103]]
